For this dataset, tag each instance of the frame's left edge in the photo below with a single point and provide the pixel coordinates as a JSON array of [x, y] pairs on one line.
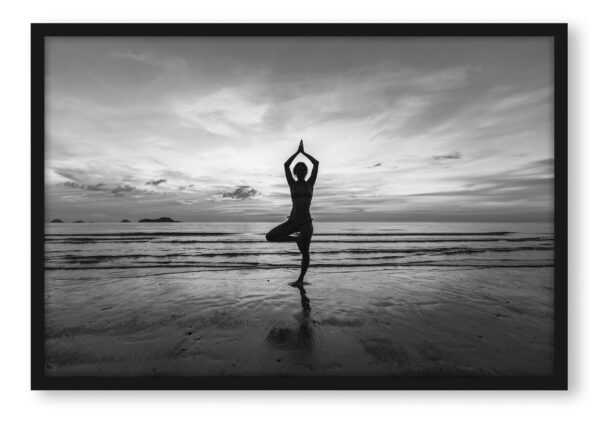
[[38, 378]]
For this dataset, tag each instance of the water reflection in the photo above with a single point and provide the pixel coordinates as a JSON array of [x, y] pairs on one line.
[[304, 300], [301, 337], [305, 328]]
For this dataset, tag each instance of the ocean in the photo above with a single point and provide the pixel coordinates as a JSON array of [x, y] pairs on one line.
[[380, 298], [123, 248]]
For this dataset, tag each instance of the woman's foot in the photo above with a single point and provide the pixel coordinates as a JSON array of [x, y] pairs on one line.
[[298, 283]]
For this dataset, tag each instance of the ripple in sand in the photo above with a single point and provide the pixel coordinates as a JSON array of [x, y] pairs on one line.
[[341, 322], [382, 350]]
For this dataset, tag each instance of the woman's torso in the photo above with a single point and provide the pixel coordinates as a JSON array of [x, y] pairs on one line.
[[301, 193]]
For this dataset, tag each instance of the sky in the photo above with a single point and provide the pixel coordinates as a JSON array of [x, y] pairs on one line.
[[198, 128]]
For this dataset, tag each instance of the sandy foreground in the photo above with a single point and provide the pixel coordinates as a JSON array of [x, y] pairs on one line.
[[403, 321]]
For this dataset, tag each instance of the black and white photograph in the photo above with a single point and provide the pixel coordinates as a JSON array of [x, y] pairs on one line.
[[296, 207]]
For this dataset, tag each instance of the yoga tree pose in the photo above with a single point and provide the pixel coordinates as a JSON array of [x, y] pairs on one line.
[[299, 221]]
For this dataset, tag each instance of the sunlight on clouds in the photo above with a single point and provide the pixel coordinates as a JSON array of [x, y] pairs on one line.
[[224, 113], [414, 129]]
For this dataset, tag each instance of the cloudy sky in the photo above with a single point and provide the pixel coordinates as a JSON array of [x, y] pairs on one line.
[[406, 129]]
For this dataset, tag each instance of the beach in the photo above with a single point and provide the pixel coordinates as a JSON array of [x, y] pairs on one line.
[[380, 299]]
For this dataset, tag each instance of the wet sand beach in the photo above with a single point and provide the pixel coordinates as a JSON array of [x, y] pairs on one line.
[[396, 311]]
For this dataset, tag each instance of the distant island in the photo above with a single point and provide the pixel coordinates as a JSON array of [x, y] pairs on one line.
[[161, 219]]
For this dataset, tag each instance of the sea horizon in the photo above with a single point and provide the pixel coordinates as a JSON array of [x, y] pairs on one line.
[[136, 221]]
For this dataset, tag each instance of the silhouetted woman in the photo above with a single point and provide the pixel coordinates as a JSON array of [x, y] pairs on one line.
[[299, 220]]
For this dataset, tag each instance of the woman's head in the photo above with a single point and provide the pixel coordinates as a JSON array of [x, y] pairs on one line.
[[300, 171]]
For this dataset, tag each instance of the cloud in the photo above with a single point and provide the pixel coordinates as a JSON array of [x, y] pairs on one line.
[[111, 189], [156, 182], [241, 193], [148, 58], [68, 175], [72, 184], [88, 187], [450, 156], [96, 187], [516, 189], [224, 113], [187, 201], [525, 184], [120, 189]]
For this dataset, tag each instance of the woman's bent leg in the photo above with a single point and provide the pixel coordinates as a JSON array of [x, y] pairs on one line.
[[282, 233]]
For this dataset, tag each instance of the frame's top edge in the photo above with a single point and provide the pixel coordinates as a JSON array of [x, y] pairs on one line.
[[298, 29]]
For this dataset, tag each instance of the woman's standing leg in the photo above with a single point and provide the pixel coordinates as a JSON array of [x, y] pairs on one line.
[[304, 245]]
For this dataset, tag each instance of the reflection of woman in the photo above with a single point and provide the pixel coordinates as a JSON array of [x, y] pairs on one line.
[[299, 220], [301, 339], [305, 334]]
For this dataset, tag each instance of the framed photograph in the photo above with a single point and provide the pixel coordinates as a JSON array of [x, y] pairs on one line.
[[299, 206]]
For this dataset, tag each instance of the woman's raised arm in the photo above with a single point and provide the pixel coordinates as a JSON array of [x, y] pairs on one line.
[[315, 169], [286, 166]]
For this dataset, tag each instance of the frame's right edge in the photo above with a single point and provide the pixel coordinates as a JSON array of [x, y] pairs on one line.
[[560, 371]]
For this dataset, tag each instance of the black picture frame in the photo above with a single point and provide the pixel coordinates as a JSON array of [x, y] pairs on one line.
[[559, 378]]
